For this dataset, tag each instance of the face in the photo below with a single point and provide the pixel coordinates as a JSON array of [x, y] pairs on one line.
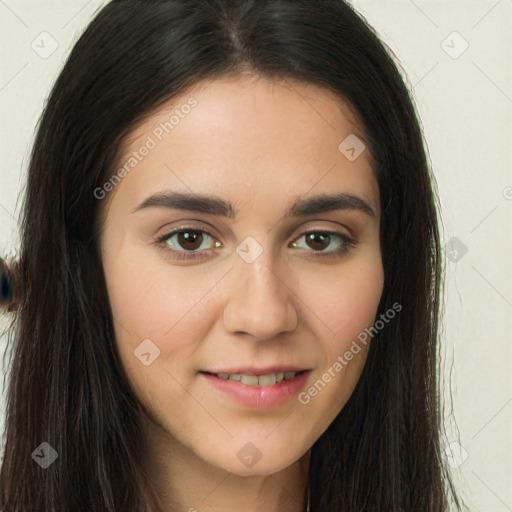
[[258, 280]]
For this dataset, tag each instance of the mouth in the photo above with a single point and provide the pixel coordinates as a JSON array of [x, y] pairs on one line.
[[262, 378], [257, 388]]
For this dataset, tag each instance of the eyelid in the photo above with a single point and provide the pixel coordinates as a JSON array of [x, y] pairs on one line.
[[349, 243], [317, 229], [184, 227]]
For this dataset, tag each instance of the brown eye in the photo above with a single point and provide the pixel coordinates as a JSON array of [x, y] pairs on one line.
[[320, 240], [187, 242]]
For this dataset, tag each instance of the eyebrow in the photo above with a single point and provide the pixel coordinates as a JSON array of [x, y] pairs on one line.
[[214, 205]]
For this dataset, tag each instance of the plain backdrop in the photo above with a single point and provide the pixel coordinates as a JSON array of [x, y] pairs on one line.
[[456, 57]]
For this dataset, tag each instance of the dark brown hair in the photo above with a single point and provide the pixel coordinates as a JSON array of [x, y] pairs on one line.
[[383, 452]]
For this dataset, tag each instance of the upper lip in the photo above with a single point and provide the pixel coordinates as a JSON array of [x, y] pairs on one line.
[[252, 370]]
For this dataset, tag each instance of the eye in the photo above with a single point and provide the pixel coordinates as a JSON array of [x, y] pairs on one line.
[[187, 242], [189, 239], [318, 240]]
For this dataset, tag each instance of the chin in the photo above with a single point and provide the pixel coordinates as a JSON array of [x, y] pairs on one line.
[[249, 461]]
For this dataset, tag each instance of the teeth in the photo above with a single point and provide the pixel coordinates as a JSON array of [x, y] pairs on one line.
[[249, 380], [258, 380], [267, 380]]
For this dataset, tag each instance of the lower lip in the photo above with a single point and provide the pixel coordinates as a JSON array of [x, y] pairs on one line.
[[259, 396]]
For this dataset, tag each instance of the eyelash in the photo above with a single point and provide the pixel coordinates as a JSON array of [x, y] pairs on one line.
[[349, 244]]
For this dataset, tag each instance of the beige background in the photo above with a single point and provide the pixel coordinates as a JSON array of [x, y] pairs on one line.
[[456, 56]]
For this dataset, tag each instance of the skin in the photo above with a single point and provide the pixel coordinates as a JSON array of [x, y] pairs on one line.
[[259, 145]]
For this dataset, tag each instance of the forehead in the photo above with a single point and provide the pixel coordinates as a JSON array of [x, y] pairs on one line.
[[247, 139]]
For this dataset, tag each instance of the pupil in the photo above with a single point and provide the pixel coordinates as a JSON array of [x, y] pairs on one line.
[[185, 238], [317, 238]]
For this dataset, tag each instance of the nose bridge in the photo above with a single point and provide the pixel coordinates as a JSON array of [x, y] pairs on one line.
[[259, 302]]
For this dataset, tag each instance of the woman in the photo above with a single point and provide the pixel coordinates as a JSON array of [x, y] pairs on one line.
[[256, 369]]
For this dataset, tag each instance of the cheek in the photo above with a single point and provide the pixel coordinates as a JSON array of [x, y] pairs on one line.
[[346, 299], [165, 310], [150, 301], [144, 293], [348, 306]]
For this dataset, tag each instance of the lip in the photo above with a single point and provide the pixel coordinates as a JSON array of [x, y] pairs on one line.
[[252, 370], [261, 397]]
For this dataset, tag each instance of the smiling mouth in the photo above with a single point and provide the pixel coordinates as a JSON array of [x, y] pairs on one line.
[[269, 379]]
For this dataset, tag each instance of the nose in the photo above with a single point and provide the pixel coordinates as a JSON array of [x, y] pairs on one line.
[[259, 301]]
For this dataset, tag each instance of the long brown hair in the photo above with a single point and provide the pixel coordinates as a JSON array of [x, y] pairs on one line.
[[383, 452]]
